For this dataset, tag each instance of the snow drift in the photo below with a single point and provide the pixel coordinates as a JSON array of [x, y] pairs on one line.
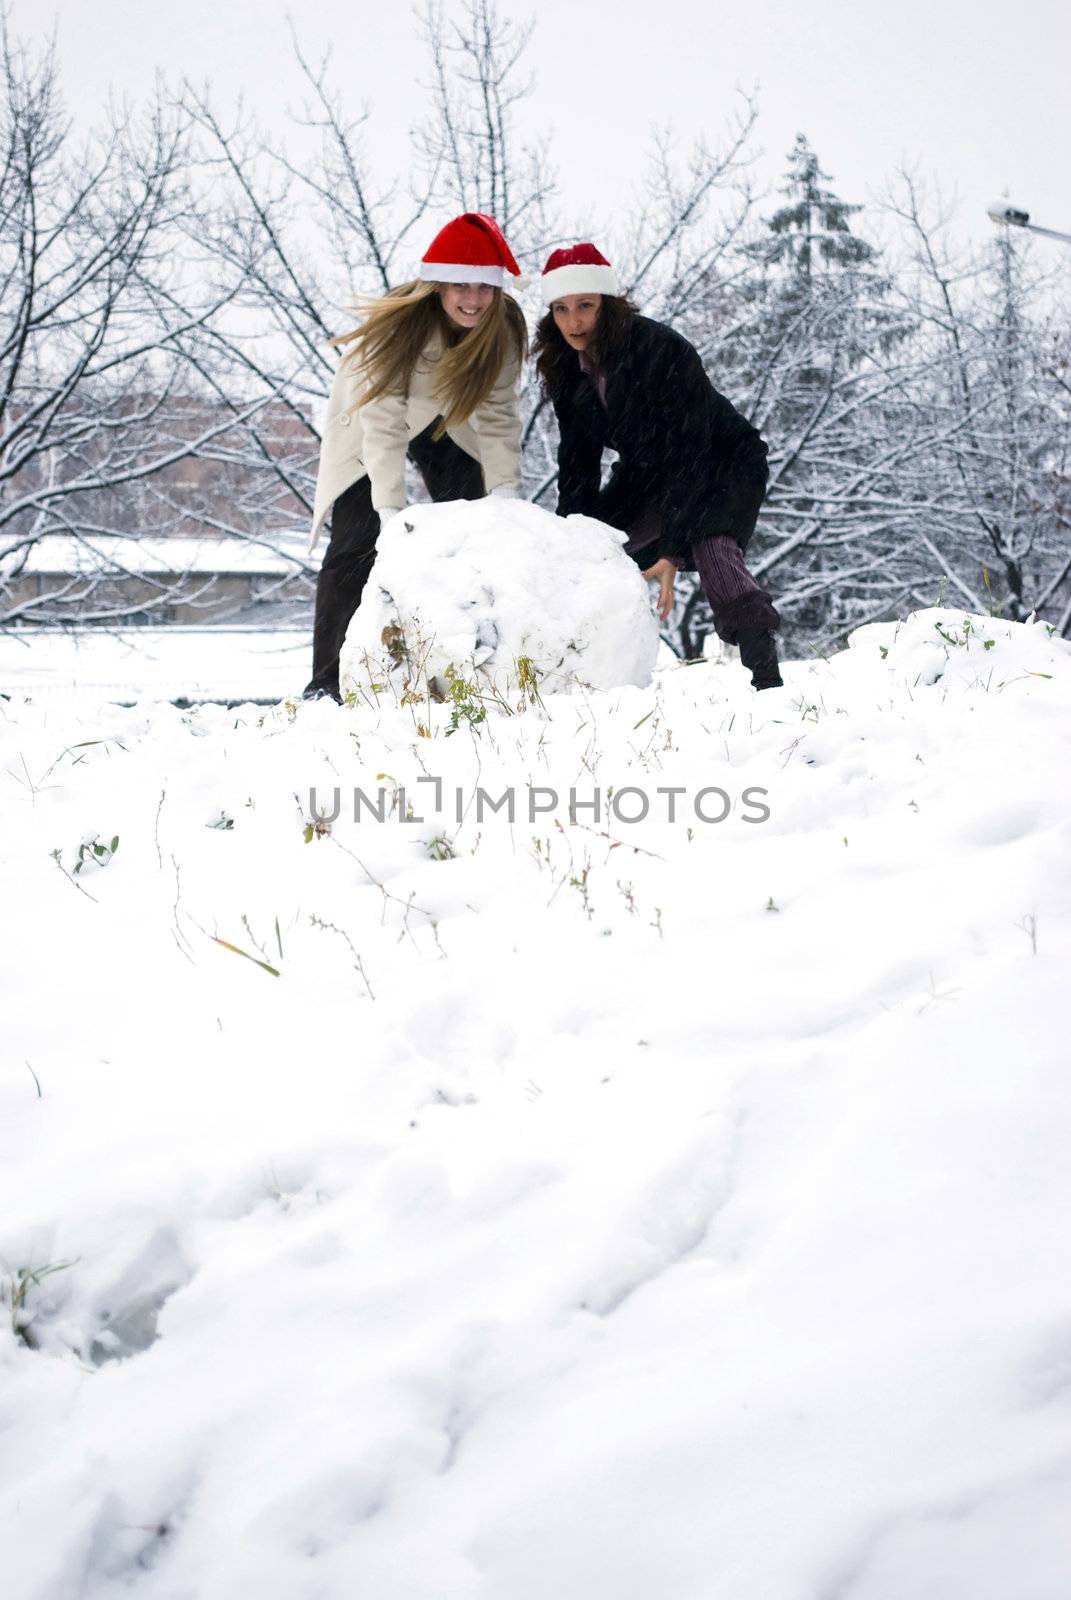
[[450, 1209]]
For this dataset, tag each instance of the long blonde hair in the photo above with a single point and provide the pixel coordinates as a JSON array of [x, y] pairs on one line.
[[390, 340]]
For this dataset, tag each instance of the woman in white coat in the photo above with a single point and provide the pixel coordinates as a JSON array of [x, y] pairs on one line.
[[432, 372]]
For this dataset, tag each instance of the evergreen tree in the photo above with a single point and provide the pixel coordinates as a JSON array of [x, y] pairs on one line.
[[819, 337], [812, 232]]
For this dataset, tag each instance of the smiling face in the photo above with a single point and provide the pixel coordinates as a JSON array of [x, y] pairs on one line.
[[576, 317], [465, 303]]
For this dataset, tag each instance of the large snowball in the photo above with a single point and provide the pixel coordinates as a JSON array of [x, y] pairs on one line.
[[483, 584]]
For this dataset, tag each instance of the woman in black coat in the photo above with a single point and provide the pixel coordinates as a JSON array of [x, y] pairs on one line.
[[691, 471]]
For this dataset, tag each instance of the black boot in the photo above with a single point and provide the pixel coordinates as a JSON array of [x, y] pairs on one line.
[[749, 621], [758, 652]]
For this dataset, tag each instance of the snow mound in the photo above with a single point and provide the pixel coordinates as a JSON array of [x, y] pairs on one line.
[[479, 586], [959, 650]]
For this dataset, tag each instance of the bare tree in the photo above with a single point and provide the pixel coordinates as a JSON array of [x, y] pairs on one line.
[[469, 143], [988, 503], [95, 310], [297, 239]]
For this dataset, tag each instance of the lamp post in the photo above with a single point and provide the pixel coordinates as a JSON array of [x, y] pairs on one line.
[[1010, 216]]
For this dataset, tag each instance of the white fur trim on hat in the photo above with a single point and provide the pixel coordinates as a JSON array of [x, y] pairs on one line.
[[582, 279], [448, 272]]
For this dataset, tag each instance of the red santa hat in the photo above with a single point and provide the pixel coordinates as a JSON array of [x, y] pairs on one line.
[[471, 249], [579, 269]]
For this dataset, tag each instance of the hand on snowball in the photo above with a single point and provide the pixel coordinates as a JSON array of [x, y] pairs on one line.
[[663, 573], [386, 512], [505, 491]]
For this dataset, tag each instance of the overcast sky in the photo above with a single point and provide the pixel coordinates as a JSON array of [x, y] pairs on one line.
[[975, 91]]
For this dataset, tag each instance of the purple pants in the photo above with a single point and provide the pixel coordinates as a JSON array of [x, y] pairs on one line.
[[737, 603]]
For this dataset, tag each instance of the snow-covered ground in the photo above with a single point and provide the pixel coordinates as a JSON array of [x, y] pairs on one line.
[[545, 1210], [167, 663]]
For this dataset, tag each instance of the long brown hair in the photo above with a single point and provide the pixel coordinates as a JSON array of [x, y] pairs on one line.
[[556, 362], [397, 326]]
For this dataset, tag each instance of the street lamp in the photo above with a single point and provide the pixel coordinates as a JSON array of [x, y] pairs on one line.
[[1010, 216]]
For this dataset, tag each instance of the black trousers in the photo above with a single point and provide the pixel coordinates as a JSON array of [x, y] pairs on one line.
[[448, 473]]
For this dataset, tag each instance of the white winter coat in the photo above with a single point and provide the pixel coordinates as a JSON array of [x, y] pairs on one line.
[[372, 439]]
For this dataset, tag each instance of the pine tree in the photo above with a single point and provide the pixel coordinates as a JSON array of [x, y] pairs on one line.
[[818, 301], [805, 341], [812, 233], [819, 334]]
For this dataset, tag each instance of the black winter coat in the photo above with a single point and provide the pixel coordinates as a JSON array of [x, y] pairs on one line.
[[684, 452]]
